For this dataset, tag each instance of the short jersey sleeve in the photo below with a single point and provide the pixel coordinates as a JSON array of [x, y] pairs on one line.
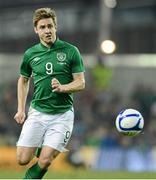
[[25, 68], [77, 62]]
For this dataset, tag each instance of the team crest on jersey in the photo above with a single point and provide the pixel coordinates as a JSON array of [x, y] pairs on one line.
[[61, 56]]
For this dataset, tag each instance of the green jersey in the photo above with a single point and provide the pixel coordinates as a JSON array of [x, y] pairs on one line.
[[43, 64]]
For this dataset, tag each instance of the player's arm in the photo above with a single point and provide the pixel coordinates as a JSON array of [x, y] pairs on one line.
[[77, 84], [22, 92]]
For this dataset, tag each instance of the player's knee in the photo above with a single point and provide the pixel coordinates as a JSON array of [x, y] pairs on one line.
[[22, 160], [44, 162]]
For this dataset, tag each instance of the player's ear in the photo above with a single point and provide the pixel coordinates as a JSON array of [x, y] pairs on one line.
[[55, 26], [35, 29]]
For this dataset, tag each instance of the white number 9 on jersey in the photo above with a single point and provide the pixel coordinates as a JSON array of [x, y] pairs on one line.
[[49, 68]]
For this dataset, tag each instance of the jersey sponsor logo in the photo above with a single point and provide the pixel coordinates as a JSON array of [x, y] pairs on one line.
[[61, 56]]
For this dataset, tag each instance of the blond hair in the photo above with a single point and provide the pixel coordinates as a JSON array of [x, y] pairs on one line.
[[43, 13]]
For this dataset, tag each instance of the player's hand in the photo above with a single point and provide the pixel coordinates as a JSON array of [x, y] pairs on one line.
[[56, 86], [19, 117]]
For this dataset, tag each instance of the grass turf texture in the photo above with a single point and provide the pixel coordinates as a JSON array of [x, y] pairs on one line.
[[80, 174]]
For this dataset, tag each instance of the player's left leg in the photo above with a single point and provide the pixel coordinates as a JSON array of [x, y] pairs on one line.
[[38, 170], [47, 155]]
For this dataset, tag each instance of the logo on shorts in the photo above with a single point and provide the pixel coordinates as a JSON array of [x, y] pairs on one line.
[[61, 56]]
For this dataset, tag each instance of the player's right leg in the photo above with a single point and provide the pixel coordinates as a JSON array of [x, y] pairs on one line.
[[31, 137], [25, 154]]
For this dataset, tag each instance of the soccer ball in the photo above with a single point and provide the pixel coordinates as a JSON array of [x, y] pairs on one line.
[[129, 122]]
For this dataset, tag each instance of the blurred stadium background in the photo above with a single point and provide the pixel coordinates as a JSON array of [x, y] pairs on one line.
[[118, 41]]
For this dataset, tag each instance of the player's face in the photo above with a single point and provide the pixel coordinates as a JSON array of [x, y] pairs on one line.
[[46, 31]]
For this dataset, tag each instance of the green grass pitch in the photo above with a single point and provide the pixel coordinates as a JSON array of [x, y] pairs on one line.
[[82, 174]]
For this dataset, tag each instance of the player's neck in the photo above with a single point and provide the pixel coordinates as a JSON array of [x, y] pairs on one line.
[[48, 45]]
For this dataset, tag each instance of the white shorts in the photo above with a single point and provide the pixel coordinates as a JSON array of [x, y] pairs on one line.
[[42, 129]]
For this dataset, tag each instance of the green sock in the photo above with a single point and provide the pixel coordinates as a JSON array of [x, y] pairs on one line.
[[38, 152], [35, 172]]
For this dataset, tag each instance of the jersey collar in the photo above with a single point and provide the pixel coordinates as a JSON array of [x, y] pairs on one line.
[[54, 45]]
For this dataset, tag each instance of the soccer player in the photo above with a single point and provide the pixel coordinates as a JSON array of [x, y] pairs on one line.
[[57, 70]]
